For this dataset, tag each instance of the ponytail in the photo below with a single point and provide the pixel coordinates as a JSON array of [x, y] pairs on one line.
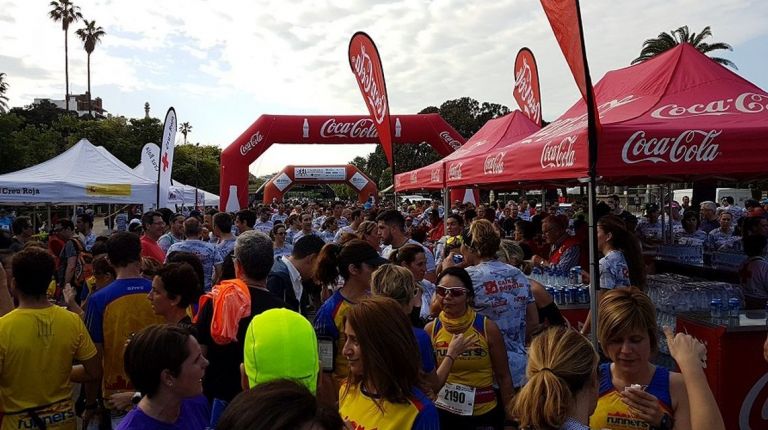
[[326, 265], [561, 363]]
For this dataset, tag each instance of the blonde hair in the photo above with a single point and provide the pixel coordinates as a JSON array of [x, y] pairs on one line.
[[561, 363], [395, 282], [485, 238], [624, 311]]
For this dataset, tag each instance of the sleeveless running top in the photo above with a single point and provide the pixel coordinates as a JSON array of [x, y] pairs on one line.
[[613, 414], [473, 368]]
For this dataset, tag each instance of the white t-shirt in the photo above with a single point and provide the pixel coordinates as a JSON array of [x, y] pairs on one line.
[[614, 272], [430, 257]]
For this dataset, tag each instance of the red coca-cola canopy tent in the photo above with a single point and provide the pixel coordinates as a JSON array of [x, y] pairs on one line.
[[677, 117], [496, 133]]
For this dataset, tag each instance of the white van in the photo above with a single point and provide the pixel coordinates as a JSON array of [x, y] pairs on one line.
[[740, 195]]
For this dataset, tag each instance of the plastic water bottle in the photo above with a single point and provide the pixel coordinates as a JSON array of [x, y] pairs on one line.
[[716, 308]]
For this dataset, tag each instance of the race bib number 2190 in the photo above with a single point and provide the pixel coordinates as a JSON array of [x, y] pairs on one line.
[[456, 398]]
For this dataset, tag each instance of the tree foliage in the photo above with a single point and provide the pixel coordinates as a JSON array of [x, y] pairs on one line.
[[666, 41], [465, 114], [33, 134]]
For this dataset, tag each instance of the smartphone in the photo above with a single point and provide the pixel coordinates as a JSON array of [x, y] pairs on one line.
[[327, 353]]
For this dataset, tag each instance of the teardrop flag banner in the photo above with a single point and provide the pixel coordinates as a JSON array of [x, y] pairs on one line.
[[167, 146], [527, 91], [366, 65]]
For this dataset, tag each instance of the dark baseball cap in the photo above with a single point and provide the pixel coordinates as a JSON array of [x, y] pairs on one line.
[[369, 256]]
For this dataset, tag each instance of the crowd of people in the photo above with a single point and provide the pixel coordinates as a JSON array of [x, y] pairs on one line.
[[331, 316]]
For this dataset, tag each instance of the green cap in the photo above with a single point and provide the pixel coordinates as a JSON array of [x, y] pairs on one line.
[[281, 344]]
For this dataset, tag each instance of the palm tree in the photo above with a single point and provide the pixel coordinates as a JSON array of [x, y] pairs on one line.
[[67, 13], [90, 35], [185, 128], [3, 97], [665, 41]]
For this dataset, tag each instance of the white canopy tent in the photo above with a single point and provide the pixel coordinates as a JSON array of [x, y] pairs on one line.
[[180, 194], [82, 174]]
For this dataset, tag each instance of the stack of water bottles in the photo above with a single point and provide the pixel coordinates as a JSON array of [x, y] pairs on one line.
[[673, 294], [684, 254], [565, 287]]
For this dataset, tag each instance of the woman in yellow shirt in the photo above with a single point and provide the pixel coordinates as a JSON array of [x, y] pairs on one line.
[[468, 399]]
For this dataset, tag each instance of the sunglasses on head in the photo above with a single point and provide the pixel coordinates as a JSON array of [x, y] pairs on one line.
[[451, 291]]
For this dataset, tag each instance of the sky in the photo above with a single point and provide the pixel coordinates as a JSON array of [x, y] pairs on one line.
[[222, 64]]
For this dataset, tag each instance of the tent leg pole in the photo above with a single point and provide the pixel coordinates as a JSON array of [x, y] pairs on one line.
[[446, 204], [594, 259]]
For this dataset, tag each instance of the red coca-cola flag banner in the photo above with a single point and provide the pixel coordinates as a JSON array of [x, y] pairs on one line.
[[366, 65], [527, 91]]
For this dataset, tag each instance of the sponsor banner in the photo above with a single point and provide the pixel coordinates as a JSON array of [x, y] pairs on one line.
[[19, 191], [366, 65], [282, 182], [167, 146], [255, 139], [320, 173], [494, 164], [117, 190], [559, 154], [688, 146], [748, 102], [565, 19], [363, 127], [527, 91], [358, 181], [150, 158]]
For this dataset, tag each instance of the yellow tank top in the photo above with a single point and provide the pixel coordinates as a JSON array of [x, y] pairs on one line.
[[473, 368]]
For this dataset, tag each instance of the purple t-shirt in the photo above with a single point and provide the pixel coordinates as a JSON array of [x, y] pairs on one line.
[[195, 415]]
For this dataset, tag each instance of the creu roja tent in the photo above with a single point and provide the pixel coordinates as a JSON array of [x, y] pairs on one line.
[[676, 117], [497, 132], [81, 174]]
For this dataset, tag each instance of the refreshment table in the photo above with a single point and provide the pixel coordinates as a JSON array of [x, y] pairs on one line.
[[736, 370]]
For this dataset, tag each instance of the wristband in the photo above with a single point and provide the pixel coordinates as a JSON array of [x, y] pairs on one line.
[[136, 398], [453, 360]]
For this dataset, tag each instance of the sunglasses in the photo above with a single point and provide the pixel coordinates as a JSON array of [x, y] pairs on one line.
[[451, 291]]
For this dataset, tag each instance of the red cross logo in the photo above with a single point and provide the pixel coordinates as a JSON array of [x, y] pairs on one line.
[[165, 162]]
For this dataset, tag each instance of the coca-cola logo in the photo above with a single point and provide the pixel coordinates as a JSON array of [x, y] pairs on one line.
[[744, 103], [560, 154], [454, 171], [690, 145], [524, 87], [375, 96], [455, 144], [414, 177], [435, 175], [362, 128], [494, 164], [753, 409], [567, 126], [255, 139]]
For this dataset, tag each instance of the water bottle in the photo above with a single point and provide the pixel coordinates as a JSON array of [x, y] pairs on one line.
[[734, 306], [716, 308], [575, 275]]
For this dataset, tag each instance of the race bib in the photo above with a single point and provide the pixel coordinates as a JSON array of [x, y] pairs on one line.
[[456, 398]]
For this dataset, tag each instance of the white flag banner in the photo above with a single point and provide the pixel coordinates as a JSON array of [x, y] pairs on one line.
[[166, 158], [150, 160]]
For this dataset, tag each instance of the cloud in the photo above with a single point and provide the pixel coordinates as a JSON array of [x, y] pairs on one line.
[[224, 61]]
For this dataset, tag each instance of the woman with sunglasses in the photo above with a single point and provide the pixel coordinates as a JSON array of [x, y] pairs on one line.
[[279, 245], [502, 293], [468, 399]]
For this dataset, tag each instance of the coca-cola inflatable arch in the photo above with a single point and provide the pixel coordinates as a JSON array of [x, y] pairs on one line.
[[278, 186], [321, 129]]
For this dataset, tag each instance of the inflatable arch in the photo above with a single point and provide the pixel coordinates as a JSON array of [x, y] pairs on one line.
[[321, 129], [348, 174]]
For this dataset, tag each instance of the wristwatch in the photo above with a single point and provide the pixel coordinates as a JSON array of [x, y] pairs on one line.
[[136, 398], [666, 423]]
